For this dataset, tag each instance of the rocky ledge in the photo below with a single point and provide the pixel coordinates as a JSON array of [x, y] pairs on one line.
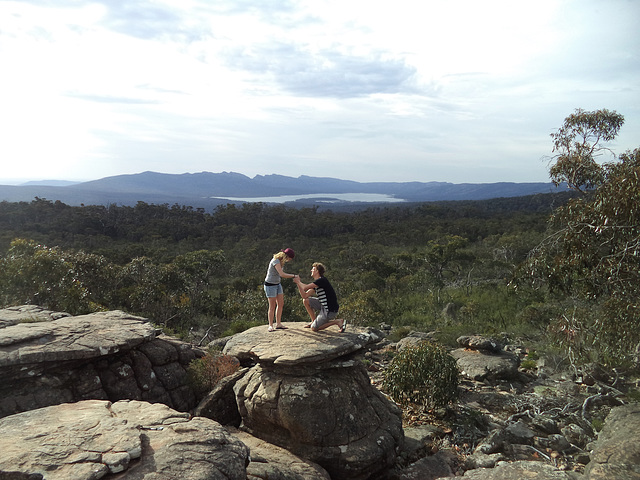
[[48, 358]]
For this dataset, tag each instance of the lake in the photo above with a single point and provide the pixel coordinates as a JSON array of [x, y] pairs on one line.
[[321, 198]]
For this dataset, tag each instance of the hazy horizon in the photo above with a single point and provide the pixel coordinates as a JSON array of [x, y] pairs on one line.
[[64, 182]]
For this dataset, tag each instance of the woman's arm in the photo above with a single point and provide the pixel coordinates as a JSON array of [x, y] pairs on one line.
[[282, 273]]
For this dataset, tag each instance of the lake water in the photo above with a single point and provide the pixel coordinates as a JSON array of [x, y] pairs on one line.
[[321, 198]]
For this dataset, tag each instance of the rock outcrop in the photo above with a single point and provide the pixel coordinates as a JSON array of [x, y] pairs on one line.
[[308, 392], [616, 453], [48, 358], [127, 439], [302, 407]]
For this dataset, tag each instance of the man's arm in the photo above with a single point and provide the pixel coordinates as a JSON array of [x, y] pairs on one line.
[[306, 290]]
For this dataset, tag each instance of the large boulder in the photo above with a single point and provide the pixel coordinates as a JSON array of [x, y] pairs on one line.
[[308, 392], [128, 439], [617, 451], [482, 358], [269, 461], [48, 359]]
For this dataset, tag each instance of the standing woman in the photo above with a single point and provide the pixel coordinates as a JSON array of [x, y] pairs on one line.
[[273, 288]]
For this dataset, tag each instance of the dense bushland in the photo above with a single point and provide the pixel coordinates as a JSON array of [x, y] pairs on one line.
[[427, 265]]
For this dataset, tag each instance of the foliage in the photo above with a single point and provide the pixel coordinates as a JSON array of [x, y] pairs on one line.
[[592, 252], [362, 308], [190, 269], [578, 142], [205, 373], [32, 273], [424, 374], [78, 282]]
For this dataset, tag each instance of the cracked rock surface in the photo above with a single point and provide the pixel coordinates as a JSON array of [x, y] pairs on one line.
[[127, 439]]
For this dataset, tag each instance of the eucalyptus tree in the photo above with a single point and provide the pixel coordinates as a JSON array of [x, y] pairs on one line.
[[592, 251]]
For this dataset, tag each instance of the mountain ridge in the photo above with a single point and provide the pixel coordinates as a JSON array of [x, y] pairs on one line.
[[209, 190]]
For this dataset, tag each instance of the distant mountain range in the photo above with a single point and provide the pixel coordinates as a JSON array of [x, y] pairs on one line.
[[209, 190]]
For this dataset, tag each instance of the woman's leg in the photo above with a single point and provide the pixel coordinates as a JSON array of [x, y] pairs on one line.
[[272, 310], [280, 304]]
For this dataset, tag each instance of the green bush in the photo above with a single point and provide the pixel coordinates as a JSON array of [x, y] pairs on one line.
[[424, 374]]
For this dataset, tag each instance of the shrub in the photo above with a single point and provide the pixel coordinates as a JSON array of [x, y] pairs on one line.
[[424, 374], [206, 372]]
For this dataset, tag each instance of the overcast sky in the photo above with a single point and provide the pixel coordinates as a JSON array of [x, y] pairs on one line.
[[450, 90]]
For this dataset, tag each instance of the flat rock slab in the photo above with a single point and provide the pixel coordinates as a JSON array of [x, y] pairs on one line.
[[27, 313], [72, 338], [127, 439], [519, 470], [297, 345]]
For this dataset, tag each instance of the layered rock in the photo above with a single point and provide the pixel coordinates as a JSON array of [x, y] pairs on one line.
[[48, 358], [127, 439], [309, 393]]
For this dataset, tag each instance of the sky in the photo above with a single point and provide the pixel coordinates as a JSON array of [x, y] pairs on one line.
[[460, 91]]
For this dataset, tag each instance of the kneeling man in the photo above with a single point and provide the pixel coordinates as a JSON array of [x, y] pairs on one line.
[[325, 302]]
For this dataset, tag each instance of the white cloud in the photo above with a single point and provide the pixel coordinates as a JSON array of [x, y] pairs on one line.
[[460, 91]]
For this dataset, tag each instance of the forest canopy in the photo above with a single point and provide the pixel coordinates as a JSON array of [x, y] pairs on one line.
[[186, 269]]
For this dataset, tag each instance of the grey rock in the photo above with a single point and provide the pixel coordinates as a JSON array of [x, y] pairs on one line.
[[519, 470], [427, 468], [105, 356], [545, 424], [418, 441], [220, 403], [478, 342], [413, 339], [93, 438], [480, 365], [309, 394], [617, 451], [519, 433], [27, 314], [576, 435], [493, 443], [297, 345], [269, 461], [482, 460], [555, 442], [28, 347]]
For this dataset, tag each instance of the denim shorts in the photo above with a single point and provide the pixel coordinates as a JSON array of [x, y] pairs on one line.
[[272, 291]]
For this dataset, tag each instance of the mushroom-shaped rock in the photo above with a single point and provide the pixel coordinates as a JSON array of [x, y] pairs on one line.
[[297, 345], [309, 393]]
